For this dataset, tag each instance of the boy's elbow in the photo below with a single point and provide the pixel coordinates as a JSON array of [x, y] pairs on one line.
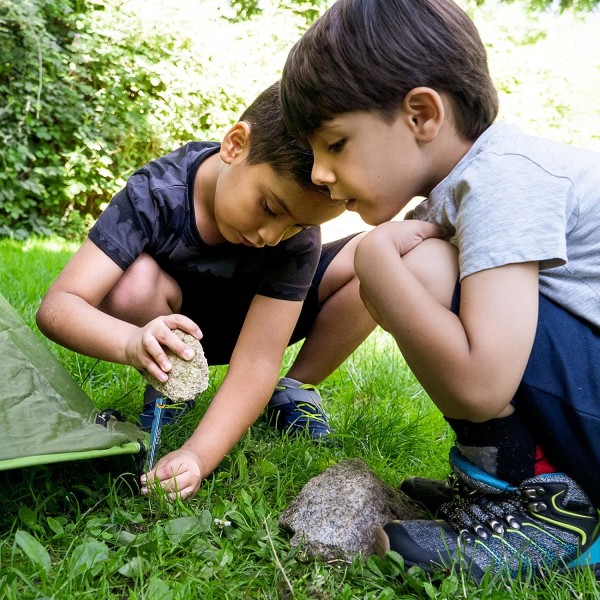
[[41, 319], [44, 319]]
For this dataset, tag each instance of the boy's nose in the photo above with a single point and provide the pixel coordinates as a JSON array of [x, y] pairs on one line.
[[321, 174], [271, 235]]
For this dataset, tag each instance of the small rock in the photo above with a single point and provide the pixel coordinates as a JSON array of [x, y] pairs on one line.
[[335, 514], [187, 378]]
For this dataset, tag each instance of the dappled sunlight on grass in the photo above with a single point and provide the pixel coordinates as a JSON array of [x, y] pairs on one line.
[[50, 244], [223, 543]]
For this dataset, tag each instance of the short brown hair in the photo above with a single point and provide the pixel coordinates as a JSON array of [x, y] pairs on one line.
[[271, 143], [368, 54]]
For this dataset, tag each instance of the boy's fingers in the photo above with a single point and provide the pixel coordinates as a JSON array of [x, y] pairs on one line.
[[167, 338], [183, 494], [179, 347], [181, 486], [437, 231], [175, 475], [153, 369], [177, 321], [156, 357]]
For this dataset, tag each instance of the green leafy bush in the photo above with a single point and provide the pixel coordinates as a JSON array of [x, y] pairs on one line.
[[88, 92], [92, 89]]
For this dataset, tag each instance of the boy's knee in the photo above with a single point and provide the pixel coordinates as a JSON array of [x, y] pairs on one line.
[[143, 288], [368, 252], [433, 262], [429, 253], [139, 281]]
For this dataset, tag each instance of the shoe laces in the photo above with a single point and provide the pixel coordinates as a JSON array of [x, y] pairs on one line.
[[472, 511], [310, 411]]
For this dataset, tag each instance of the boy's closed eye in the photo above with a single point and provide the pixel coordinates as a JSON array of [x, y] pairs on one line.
[[271, 213], [336, 146], [268, 210]]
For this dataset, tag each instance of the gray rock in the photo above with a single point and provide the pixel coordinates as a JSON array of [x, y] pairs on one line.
[[335, 514], [187, 378]]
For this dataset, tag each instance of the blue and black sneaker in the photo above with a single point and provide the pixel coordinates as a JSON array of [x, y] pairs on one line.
[[546, 522], [172, 412], [429, 493], [296, 408]]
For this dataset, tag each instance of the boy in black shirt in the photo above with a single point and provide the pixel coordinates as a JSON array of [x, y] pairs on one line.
[[221, 241]]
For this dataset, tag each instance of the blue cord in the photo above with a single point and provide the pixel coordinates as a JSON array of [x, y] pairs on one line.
[[157, 424]]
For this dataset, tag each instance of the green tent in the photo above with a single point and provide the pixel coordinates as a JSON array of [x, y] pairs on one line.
[[45, 417]]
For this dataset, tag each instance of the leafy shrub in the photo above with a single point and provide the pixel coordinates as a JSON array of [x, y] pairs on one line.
[[88, 92]]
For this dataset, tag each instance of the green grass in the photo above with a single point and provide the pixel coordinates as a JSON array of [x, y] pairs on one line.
[[82, 530]]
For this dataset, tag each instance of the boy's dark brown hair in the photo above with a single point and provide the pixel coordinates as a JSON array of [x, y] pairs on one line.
[[368, 54], [272, 144]]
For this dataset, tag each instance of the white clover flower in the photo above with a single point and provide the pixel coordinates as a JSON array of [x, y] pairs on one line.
[[222, 523]]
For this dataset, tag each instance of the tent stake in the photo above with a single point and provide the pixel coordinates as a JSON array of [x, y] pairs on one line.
[[157, 424]]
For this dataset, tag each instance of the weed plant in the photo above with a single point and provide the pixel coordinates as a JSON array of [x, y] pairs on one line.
[[81, 530]]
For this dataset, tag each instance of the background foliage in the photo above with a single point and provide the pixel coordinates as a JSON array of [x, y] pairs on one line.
[[92, 89], [88, 92]]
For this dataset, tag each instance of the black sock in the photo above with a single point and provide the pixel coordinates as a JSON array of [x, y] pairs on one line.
[[503, 447]]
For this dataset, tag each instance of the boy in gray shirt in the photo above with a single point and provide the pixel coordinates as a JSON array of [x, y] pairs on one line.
[[396, 101]]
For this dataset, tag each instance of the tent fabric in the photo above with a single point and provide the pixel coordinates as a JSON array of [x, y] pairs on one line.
[[45, 417]]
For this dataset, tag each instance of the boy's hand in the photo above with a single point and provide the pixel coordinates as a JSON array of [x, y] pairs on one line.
[[179, 474], [408, 234], [145, 349]]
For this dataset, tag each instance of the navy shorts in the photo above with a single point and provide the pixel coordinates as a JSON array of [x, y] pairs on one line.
[[222, 326], [559, 395]]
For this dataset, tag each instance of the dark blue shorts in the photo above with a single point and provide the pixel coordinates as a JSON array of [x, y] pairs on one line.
[[559, 396]]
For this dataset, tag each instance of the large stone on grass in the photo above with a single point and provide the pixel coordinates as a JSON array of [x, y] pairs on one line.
[[335, 514], [187, 378]]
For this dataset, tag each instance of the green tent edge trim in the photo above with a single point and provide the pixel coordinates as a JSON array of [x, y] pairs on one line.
[[45, 459]]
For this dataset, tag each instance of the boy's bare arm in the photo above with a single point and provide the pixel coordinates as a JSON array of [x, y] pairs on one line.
[[471, 364], [244, 393], [68, 315]]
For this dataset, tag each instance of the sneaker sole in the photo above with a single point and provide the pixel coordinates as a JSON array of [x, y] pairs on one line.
[[382, 547]]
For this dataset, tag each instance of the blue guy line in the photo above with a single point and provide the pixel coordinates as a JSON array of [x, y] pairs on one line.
[[157, 424]]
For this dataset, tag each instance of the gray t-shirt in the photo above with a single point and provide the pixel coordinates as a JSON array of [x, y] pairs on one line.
[[517, 198]]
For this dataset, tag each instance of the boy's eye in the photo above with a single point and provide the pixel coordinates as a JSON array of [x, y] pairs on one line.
[[336, 147], [267, 209]]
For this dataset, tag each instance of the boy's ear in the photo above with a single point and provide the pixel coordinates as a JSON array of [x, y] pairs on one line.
[[424, 110], [236, 142]]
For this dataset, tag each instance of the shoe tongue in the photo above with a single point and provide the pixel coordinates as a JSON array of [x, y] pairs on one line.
[[474, 478], [289, 382]]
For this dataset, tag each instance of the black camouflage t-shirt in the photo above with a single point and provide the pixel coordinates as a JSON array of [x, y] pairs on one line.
[[154, 214]]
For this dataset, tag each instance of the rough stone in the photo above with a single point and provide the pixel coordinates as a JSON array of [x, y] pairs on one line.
[[335, 514], [187, 378]]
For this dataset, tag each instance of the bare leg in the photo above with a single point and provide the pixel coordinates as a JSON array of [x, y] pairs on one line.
[[143, 293], [342, 324]]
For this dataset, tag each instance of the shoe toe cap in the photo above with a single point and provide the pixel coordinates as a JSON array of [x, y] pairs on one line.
[[425, 543]]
